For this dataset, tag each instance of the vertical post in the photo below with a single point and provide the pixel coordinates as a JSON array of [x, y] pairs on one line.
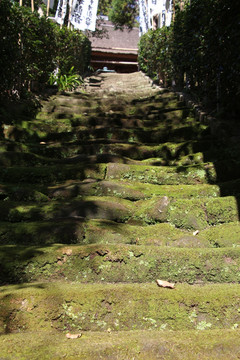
[[70, 11], [20, 2], [218, 90], [32, 5], [173, 10], [48, 6]]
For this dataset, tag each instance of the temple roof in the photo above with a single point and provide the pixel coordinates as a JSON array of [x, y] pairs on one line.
[[117, 41]]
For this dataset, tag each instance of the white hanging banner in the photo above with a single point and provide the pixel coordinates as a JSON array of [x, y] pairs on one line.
[[143, 17], [152, 10], [84, 14], [169, 12], [61, 11]]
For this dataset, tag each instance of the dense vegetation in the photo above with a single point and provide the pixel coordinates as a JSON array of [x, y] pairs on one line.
[[199, 51], [32, 47]]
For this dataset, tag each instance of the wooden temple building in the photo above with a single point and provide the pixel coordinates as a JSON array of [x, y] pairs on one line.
[[117, 50]]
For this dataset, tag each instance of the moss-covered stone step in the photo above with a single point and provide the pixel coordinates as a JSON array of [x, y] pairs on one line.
[[188, 152], [223, 235], [161, 234], [118, 263], [183, 213], [201, 213], [111, 105], [14, 158], [168, 153], [51, 174], [99, 307], [123, 345], [210, 172], [164, 175], [80, 231], [11, 158], [90, 187], [86, 208], [161, 133], [125, 118], [131, 190]]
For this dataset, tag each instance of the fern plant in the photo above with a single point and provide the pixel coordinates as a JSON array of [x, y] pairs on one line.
[[65, 82]]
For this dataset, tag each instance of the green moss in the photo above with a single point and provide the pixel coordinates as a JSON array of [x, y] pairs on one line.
[[51, 174], [120, 263], [200, 213], [132, 221], [223, 235], [162, 175], [183, 213], [137, 190], [222, 210], [190, 345], [99, 307], [68, 231], [107, 232]]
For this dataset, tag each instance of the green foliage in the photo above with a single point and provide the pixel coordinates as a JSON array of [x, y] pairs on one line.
[[73, 49], [155, 54], [33, 46], [200, 52], [28, 47], [123, 13], [66, 81]]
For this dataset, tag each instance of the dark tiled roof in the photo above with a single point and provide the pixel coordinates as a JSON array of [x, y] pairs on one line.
[[117, 41]]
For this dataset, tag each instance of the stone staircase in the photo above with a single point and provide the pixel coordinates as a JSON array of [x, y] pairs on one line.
[[102, 194]]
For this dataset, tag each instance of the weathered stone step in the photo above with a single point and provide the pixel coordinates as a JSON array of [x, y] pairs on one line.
[[51, 174], [59, 150], [160, 99], [162, 175], [80, 231], [161, 133], [120, 189], [183, 213], [119, 263], [14, 158], [131, 190], [80, 111], [127, 117], [11, 158], [99, 307], [210, 172], [123, 345]]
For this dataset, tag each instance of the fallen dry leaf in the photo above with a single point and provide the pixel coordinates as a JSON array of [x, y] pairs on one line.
[[165, 284], [67, 252], [73, 336]]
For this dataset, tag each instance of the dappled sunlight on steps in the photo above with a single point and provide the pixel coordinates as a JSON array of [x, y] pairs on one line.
[[102, 194]]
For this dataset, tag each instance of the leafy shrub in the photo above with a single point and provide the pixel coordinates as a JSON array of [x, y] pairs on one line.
[[28, 47], [200, 52], [155, 54], [73, 49], [33, 46]]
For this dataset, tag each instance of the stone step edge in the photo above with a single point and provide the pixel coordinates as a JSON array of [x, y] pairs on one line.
[[111, 264], [118, 306], [151, 345]]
